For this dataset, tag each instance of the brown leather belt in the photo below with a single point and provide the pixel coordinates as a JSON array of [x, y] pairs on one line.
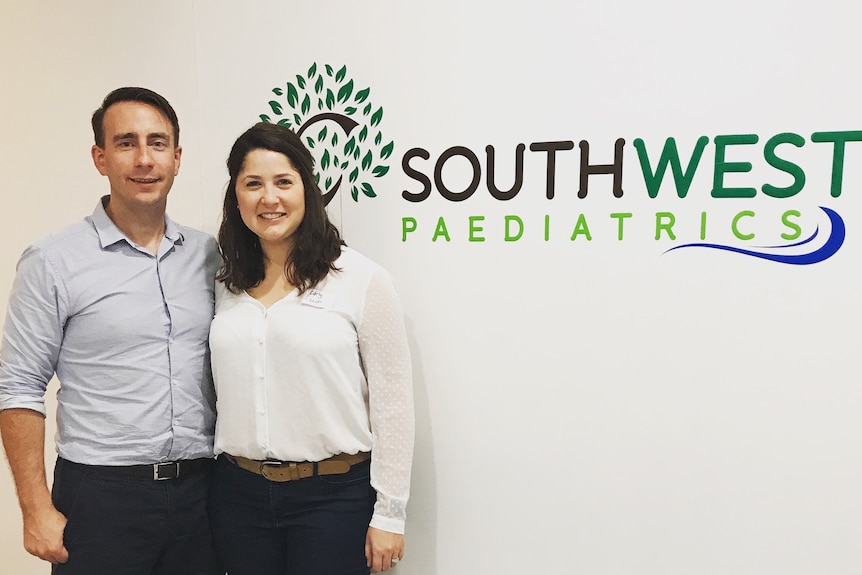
[[290, 470]]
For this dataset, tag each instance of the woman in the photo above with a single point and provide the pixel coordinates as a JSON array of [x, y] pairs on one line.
[[313, 377]]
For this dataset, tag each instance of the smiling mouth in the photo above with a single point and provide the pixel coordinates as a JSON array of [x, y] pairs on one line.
[[272, 216], [145, 180]]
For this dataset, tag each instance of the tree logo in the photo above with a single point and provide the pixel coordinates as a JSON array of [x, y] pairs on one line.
[[340, 126]]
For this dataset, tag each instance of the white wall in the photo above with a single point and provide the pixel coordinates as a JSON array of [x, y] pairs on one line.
[[583, 406]]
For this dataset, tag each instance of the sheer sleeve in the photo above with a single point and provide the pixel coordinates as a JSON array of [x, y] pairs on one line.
[[386, 359]]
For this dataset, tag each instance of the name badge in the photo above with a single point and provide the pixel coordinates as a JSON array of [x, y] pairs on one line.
[[317, 298]]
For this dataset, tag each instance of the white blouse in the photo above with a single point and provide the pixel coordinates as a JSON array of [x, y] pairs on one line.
[[319, 374]]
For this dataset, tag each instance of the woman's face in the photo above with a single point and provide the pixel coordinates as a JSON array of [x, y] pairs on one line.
[[270, 196]]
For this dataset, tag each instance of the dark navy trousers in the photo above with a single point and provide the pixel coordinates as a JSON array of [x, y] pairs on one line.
[[311, 526], [119, 525]]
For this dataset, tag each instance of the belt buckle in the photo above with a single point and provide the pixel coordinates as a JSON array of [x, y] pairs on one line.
[[292, 469], [172, 469]]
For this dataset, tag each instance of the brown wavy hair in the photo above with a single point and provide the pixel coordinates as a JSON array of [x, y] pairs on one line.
[[317, 243]]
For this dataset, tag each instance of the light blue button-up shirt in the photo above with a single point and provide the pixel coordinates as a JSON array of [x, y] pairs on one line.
[[126, 333]]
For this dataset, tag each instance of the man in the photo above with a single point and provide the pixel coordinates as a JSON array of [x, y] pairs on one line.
[[118, 306]]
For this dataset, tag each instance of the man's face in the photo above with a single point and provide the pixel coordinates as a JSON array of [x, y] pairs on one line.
[[140, 157]]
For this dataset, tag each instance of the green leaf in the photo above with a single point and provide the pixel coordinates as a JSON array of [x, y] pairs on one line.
[[345, 91], [318, 85], [339, 76], [321, 134], [356, 153], [317, 178], [329, 70], [301, 81], [387, 150], [349, 111], [335, 161], [292, 95], [361, 95], [264, 118], [330, 99], [319, 104], [366, 109], [366, 160], [306, 104], [276, 107], [348, 147], [378, 138], [345, 165], [277, 91], [328, 183], [310, 141], [298, 119], [368, 190], [380, 170], [334, 139], [284, 122], [312, 71], [353, 175], [363, 133], [375, 119], [324, 161], [354, 193]]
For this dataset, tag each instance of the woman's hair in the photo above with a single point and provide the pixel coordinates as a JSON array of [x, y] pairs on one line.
[[316, 242]]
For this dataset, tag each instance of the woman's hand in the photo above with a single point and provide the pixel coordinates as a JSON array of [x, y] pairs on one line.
[[383, 549]]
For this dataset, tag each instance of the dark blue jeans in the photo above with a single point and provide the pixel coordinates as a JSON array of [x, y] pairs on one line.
[[311, 526], [120, 525]]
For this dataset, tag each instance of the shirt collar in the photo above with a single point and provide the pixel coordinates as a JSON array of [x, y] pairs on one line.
[[172, 231], [110, 234]]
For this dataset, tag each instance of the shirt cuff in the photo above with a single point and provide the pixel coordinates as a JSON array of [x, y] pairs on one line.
[[19, 403], [387, 524]]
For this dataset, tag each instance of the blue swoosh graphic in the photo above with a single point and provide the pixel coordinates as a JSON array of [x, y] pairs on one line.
[[826, 251], [803, 242]]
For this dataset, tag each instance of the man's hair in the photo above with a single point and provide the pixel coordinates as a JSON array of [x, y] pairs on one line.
[[316, 242], [129, 94]]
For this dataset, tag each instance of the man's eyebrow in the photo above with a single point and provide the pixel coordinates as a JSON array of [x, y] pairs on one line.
[[132, 136]]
